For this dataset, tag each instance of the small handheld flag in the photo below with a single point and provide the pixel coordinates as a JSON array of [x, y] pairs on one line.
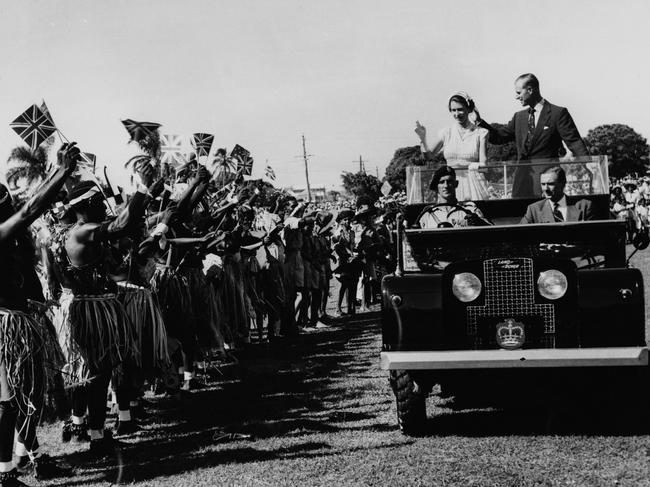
[[47, 113], [140, 130], [170, 146], [244, 160], [33, 126], [245, 166], [239, 152], [202, 143], [270, 173]]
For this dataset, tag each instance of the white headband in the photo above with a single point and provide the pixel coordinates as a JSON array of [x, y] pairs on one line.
[[86, 196]]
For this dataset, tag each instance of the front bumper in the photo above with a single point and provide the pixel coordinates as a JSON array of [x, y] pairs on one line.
[[500, 359]]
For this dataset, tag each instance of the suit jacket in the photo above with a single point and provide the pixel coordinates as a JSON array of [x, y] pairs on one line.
[[541, 212], [554, 126]]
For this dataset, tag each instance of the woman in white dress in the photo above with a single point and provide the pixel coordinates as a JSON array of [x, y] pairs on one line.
[[464, 146]]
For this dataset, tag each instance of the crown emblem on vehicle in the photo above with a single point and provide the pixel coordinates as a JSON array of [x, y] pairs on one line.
[[510, 334]]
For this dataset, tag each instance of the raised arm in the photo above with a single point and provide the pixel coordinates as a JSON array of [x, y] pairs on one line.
[[497, 135], [67, 156], [430, 150], [185, 201], [116, 228]]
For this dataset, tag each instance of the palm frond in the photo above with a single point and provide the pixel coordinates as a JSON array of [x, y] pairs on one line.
[[136, 162], [150, 144], [25, 163]]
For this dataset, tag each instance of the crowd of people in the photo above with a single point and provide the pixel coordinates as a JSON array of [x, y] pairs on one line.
[[103, 300], [630, 201]]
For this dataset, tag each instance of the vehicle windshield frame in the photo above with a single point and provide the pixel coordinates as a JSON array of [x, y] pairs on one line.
[[586, 176]]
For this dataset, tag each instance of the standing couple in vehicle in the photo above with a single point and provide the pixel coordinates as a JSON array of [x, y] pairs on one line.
[[538, 132]]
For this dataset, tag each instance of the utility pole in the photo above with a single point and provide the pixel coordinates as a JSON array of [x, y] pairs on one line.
[[305, 156], [362, 167]]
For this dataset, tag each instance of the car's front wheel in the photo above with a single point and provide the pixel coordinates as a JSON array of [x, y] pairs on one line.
[[411, 402]]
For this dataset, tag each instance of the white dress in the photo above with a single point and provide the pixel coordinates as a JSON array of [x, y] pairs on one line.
[[461, 148]]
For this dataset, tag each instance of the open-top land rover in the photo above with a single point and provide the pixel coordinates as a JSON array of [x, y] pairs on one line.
[[488, 312]]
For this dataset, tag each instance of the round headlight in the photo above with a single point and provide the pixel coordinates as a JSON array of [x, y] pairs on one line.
[[466, 286], [552, 284]]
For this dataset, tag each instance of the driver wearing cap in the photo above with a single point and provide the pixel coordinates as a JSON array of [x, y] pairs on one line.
[[448, 211]]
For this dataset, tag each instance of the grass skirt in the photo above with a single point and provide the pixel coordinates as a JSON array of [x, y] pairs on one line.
[[175, 300], [22, 341], [142, 308], [233, 300], [95, 333], [205, 310]]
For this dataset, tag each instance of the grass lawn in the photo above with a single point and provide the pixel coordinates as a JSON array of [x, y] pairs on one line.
[[321, 413]]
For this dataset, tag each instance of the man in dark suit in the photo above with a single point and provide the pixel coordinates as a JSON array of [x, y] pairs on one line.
[[554, 206], [538, 132]]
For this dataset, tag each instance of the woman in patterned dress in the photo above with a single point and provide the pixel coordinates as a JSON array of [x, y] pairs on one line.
[[464, 146]]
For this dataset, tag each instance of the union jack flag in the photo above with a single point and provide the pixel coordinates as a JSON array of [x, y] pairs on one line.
[[47, 113], [33, 126], [139, 130], [239, 152], [245, 166], [270, 173], [170, 145], [202, 143]]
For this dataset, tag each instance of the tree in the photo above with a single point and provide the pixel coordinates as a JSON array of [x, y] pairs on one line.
[[26, 169], [360, 184], [627, 150], [406, 156], [151, 146]]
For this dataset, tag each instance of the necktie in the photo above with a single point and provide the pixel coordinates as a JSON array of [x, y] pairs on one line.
[[557, 214], [531, 129]]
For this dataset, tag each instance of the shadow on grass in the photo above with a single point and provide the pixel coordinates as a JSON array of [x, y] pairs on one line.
[[284, 392], [620, 421]]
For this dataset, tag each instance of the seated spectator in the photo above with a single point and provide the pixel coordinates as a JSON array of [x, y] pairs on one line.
[[554, 206]]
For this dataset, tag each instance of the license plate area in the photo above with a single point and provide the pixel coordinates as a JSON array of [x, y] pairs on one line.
[[510, 331]]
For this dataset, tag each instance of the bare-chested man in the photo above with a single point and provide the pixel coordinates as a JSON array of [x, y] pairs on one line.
[[100, 335], [21, 347]]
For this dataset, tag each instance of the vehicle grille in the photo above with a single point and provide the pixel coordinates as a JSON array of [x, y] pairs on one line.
[[510, 291]]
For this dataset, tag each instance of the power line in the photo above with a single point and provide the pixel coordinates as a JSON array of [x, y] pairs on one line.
[[362, 167]]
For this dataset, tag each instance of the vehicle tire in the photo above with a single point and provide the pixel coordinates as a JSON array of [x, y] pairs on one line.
[[411, 405]]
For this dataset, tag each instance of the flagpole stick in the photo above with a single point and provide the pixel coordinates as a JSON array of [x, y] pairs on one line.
[[64, 138]]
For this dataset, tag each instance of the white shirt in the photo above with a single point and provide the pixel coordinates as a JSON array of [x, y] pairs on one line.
[[538, 110], [561, 205]]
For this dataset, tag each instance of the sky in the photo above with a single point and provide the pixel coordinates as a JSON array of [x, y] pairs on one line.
[[352, 76]]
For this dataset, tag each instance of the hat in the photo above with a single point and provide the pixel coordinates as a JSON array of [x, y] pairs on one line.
[[364, 210], [343, 214], [441, 172], [308, 220]]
